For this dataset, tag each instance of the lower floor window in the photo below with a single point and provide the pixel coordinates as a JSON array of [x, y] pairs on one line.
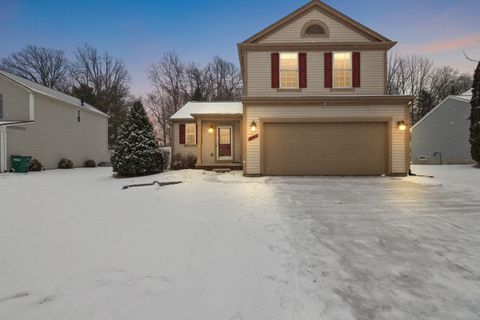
[[190, 133]]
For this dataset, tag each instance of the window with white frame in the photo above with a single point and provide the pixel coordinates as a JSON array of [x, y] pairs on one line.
[[1, 106], [342, 69], [289, 70], [190, 133], [79, 115]]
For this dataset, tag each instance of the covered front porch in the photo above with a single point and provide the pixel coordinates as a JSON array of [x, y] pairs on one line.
[[219, 141]]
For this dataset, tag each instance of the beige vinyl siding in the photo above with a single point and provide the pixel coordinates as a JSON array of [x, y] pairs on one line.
[[396, 112], [182, 149], [56, 134], [209, 143], [15, 100], [292, 32], [259, 75]]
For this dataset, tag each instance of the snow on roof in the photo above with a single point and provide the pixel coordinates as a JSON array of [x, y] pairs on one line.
[[466, 95], [224, 108], [38, 88]]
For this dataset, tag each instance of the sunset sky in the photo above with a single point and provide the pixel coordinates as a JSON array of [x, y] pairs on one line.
[[140, 31]]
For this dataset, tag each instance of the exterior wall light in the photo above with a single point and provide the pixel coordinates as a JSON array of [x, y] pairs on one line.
[[402, 125], [210, 130], [253, 126]]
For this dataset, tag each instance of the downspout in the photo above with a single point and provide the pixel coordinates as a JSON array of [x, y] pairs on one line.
[[31, 106], [3, 149]]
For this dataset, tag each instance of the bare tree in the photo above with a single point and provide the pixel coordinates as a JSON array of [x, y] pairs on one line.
[[224, 80], [408, 75], [157, 108], [107, 78], [175, 83], [48, 67], [169, 86], [415, 75], [196, 88], [168, 80]]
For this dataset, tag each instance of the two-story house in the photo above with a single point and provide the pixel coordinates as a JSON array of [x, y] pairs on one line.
[[314, 103], [48, 125]]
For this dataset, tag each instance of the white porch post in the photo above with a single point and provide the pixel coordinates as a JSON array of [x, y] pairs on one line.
[[199, 141], [3, 149]]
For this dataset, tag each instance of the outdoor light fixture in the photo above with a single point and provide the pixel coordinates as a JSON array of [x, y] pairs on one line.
[[210, 130], [253, 126], [402, 126]]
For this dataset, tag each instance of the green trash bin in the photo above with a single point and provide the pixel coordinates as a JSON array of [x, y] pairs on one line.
[[20, 163]]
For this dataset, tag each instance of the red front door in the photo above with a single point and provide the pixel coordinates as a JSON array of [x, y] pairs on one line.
[[224, 143]]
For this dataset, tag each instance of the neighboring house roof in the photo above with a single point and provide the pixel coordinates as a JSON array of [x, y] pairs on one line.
[[325, 8], [464, 97], [216, 108], [51, 93]]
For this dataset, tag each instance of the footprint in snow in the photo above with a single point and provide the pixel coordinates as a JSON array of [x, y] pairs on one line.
[[15, 296], [46, 299]]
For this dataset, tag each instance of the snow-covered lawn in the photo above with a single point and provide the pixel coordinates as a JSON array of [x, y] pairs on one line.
[[455, 176], [73, 245]]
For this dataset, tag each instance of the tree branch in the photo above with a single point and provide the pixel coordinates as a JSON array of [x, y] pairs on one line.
[[468, 58]]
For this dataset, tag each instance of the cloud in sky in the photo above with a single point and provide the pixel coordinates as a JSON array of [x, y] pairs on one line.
[[445, 45]]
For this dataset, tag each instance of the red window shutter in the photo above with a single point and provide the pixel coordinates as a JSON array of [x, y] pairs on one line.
[[275, 70], [328, 69], [356, 70], [302, 63], [181, 133]]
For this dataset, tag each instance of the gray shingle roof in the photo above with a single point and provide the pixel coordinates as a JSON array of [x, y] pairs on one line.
[[38, 88]]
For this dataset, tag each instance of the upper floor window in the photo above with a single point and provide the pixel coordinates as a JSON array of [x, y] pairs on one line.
[[1, 106], [289, 70], [315, 28], [342, 69], [190, 133], [79, 115]]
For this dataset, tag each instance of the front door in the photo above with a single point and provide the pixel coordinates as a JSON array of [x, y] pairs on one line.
[[224, 143]]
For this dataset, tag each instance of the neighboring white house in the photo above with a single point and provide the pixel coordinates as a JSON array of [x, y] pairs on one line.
[[48, 125], [442, 136]]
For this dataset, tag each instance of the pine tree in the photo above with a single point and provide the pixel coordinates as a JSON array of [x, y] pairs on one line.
[[425, 104], [475, 116], [136, 152], [197, 95]]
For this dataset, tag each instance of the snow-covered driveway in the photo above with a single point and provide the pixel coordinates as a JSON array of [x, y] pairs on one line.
[[75, 246]]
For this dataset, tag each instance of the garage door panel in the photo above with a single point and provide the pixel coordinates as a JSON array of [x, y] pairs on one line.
[[325, 148]]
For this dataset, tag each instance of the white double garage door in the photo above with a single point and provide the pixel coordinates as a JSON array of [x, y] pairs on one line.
[[359, 148]]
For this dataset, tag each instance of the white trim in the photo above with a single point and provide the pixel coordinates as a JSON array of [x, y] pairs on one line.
[[186, 133], [351, 70], [438, 106], [218, 143], [3, 149], [31, 106], [280, 69]]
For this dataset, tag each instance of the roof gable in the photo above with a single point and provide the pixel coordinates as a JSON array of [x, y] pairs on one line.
[[325, 10], [458, 99], [207, 108], [51, 93]]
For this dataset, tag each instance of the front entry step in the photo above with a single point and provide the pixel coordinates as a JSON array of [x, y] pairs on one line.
[[221, 170]]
